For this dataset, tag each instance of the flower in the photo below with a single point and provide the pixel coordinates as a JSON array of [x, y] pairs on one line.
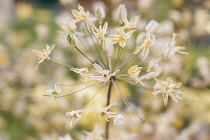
[[99, 14], [106, 74], [75, 116], [147, 43], [118, 118], [69, 27], [171, 48], [52, 94], [82, 71], [129, 25], [153, 65], [168, 89], [151, 26], [122, 37], [43, 55], [100, 32], [134, 73], [79, 15]]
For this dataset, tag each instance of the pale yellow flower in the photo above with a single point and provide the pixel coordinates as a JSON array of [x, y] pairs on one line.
[[153, 65], [82, 71], [145, 46], [171, 48], [79, 15], [100, 33], [168, 89], [134, 73], [52, 94], [121, 37], [104, 113], [75, 116], [69, 27], [43, 55], [106, 74], [151, 26], [129, 25]]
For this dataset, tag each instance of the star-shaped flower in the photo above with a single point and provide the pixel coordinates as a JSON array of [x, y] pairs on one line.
[[121, 37], [100, 33], [52, 94], [82, 71], [75, 116], [129, 25], [104, 113], [146, 45], [168, 89], [79, 15], [43, 55], [171, 48], [134, 73], [106, 74]]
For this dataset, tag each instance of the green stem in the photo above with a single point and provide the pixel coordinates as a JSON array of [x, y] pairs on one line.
[[84, 54], [61, 64], [94, 44], [78, 90]]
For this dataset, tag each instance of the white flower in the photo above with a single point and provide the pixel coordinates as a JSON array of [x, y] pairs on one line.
[[121, 10], [118, 118], [145, 46], [151, 26], [134, 73], [82, 71], [99, 14], [79, 15], [121, 37], [153, 65], [106, 74], [69, 27], [171, 48], [52, 94], [168, 89], [43, 55], [75, 116], [100, 33], [129, 25]]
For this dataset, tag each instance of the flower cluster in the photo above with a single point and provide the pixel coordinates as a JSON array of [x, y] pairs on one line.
[[110, 68]]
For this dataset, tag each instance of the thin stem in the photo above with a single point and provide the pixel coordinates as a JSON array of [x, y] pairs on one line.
[[84, 54], [79, 83], [126, 80], [61, 64], [78, 90], [94, 43], [117, 57], [107, 103], [126, 101]]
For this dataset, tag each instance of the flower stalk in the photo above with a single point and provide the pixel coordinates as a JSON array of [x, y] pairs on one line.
[[107, 103]]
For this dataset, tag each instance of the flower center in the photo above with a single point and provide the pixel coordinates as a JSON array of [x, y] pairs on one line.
[[148, 43]]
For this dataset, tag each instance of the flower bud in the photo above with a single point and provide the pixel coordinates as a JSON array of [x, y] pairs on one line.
[[99, 14], [70, 39]]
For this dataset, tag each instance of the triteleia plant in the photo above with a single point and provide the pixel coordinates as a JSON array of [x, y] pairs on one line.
[[113, 57]]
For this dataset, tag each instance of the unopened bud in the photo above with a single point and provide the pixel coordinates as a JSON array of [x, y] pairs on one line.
[[70, 39], [99, 14]]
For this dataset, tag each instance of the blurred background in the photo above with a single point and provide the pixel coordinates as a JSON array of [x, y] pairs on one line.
[[30, 24]]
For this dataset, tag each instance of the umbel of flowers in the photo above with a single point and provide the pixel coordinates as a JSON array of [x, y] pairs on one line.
[[109, 67]]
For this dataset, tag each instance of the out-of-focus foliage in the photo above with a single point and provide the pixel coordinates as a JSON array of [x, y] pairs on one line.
[[25, 115]]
